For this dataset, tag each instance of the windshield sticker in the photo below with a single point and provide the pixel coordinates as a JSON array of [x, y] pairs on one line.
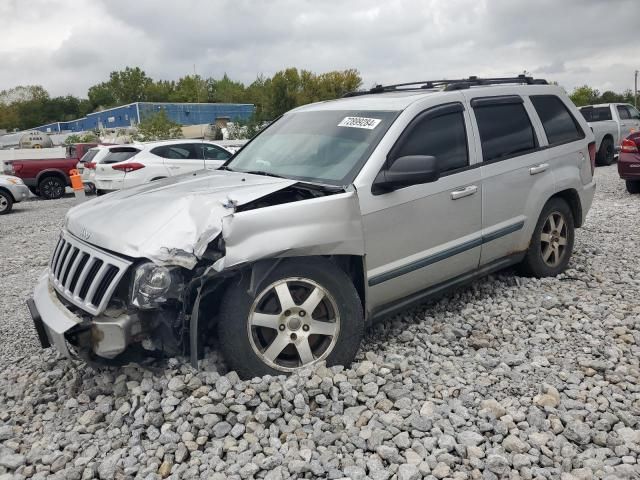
[[360, 122]]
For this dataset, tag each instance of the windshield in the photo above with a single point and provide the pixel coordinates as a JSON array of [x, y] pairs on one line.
[[326, 147]]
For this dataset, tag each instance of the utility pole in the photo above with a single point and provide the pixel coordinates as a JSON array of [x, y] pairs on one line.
[[635, 90]]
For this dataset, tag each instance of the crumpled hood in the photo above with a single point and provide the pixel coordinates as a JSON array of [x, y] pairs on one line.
[[169, 221]]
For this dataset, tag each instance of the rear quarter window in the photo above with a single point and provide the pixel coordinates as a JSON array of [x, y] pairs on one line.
[[558, 123]]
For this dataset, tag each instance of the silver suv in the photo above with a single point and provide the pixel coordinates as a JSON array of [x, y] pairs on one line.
[[338, 214]]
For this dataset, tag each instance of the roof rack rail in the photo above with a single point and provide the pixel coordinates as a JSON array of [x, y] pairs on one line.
[[447, 85]]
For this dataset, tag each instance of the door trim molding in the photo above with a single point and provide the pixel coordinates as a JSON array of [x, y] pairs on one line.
[[444, 254]]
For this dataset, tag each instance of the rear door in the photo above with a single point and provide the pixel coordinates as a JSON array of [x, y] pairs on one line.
[[515, 172], [214, 156], [181, 158]]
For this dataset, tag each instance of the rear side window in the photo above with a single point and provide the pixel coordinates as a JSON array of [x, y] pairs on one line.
[[558, 123], [443, 137], [596, 114], [623, 112], [505, 131], [183, 151], [120, 155]]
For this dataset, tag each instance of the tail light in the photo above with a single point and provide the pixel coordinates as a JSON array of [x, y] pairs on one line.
[[90, 165], [629, 146], [592, 156], [128, 167]]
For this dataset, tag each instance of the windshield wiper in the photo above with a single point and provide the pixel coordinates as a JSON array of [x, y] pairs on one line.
[[261, 172]]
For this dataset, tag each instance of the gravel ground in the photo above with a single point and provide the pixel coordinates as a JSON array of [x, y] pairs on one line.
[[509, 378]]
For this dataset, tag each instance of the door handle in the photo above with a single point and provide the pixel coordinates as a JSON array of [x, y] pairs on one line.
[[174, 168], [538, 169], [465, 192]]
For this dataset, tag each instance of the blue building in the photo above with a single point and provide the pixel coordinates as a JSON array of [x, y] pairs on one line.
[[133, 113]]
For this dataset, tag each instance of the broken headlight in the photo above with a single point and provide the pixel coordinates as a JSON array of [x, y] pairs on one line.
[[154, 285]]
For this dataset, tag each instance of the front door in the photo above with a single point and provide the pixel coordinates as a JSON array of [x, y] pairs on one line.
[[421, 235], [182, 158]]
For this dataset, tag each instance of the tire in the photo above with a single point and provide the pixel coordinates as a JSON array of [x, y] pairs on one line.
[[255, 350], [605, 153], [51, 188], [633, 186], [547, 235], [6, 202]]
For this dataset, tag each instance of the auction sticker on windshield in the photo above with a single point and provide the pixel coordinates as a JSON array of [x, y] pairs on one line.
[[360, 122]]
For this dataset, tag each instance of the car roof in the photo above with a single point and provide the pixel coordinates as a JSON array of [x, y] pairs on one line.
[[177, 141], [401, 99]]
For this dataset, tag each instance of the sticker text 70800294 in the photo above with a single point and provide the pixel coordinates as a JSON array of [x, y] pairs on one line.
[[359, 122]]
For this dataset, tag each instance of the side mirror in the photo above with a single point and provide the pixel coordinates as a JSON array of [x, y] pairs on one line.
[[407, 171]]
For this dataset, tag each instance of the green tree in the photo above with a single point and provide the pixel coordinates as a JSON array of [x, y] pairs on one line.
[[191, 88], [101, 96], [87, 137], [584, 95], [157, 126]]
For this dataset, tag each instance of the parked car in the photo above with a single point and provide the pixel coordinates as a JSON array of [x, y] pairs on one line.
[[610, 123], [87, 166], [12, 190], [130, 165], [629, 162], [49, 177], [337, 215]]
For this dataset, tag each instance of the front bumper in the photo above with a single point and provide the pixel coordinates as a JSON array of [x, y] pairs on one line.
[[19, 192], [106, 336], [51, 318]]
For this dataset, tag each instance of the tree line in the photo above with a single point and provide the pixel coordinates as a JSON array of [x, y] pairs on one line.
[[23, 107], [28, 106]]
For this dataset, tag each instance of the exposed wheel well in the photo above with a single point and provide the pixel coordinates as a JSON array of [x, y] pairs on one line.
[[573, 199], [4, 190], [352, 265], [59, 175], [606, 137]]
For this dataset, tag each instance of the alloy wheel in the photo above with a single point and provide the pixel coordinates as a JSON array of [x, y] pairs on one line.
[[51, 188], [294, 322], [4, 203], [554, 239]]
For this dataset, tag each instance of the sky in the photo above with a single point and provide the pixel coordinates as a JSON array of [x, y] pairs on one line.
[[69, 45]]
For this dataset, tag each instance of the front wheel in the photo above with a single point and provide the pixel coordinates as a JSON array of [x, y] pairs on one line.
[[6, 203], [633, 186], [552, 241], [304, 312]]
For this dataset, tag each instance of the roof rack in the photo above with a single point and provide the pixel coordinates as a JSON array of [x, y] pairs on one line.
[[448, 85]]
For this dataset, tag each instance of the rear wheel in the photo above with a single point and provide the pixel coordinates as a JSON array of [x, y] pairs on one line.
[[605, 154], [633, 186], [6, 202], [552, 241], [51, 188], [304, 312]]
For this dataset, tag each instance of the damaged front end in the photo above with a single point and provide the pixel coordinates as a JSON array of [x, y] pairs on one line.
[[130, 280]]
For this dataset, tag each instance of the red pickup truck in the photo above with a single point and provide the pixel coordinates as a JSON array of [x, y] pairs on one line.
[[48, 177]]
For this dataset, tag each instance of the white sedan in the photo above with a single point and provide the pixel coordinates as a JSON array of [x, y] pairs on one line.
[[126, 166]]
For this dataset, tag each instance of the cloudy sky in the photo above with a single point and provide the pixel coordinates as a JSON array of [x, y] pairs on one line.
[[69, 45]]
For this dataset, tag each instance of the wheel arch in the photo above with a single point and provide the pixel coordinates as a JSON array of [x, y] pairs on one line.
[[7, 191], [570, 195], [52, 173]]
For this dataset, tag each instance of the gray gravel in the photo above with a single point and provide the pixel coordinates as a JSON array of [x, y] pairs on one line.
[[511, 377]]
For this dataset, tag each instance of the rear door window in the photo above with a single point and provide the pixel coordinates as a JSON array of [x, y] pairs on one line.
[[596, 114], [505, 130], [120, 155], [182, 151], [443, 137], [559, 125], [623, 112]]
